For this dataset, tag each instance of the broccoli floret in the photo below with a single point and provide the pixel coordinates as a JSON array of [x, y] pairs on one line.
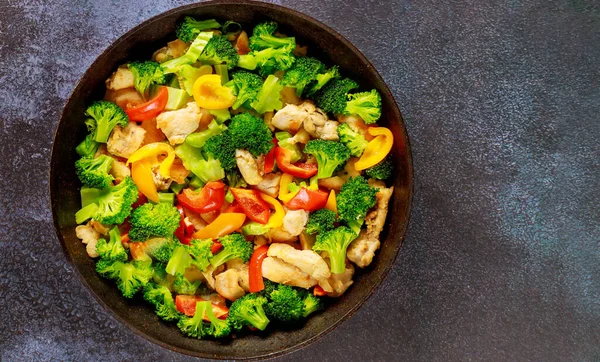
[[183, 286], [235, 179], [113, 249], [269, 287], [234, 246], [304, 71], [355, 142], [190, 56], [222, 148], [204, 162], [322, 79], [105, 116], [269, 96], [111, 205], [162, 299], [245, 86], [160, 249], [145, 74], [381, 171], [150, 220], [200, 250], [197, 328], [335, 242], [330, 156], [189, 29], [268, 60], [160, 276], [263, 37], [320, 221], [130, 277], [367, 105], [218, 51], [179, 261], [251, 133], [88, 147], [94, 172], [356, 197], [248, 311], [284, 304], [311, 304], [198, 139], [333, 96]]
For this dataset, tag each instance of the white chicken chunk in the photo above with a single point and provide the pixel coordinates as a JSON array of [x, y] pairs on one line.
[[124, 141], [278, 271], [248, 167], [177, 125], [227, 284], [89, 236], [122, 78], [318, 126], [294, 221], [314, 121], [306, 260], [119, 170], [162, 183], [280, 235], [289, 118], [340, 282], [210, 273], [270, 184]]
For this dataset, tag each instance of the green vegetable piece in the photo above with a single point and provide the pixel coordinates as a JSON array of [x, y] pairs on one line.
[[189, 29], [330, 155], [112, 205], [113, 249], [104, 117], [367, 105], [335, 242], [94, 172]]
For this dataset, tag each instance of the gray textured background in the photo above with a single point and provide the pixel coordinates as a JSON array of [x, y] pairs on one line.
[[502, 258]]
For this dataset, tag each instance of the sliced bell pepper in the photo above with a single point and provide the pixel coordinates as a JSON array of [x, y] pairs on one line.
[[308, 200], [210, 94], [276, 219], [151, 151], [183, 232], [270, 159], [252, 203], [215, 247], [150, 109], [255, 278], [376, 149], [186, 304], [331, 202], [143, 179], [285, 194], [299, 169], [210, 198], [319, 291], [224, 224]]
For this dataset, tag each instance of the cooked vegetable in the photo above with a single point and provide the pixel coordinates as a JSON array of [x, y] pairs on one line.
[[209, 198], [248, 311], [189, 29], [197, 328], [150, 220], [110, 205], [150, 109], [320, 221], [218, 51], [304, 71], [130, 277], [112, 249], [284, 304], [269, 96], [324, 78], [162, 299], [355, 142], [354, 200], [145, 74], [335, 242], [246, 86], [381, 171], [330, 156], [367, 105], [263, 37], [191, 55], [198, 139], [88, 147], [250, 132], [201, 252], [234, 246], [205, 165], [104, 117], [255, 279], [209, 93], [311, 304], [333, 96], [94, 172], [377, 149], [183, 286]]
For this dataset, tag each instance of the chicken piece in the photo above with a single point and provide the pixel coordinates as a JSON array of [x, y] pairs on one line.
[[356, 124], [122, 78], [248, 167], [278, 271], [242, 268], [339, 283], [153, 134], [124, 98], [177, 125], [123, 142], [260, 240], [280, 235], [242, 45], [318, 126], [306, 260], [195, 219], [300, 137], [294, 221], [119, 170], [375, 219], [89, 236], [227, 284], [102, 229], [307, 241], [290, 117], [174, 49], [332, 183], [210, 273], [270, 184], [362, 250], [162, 183]]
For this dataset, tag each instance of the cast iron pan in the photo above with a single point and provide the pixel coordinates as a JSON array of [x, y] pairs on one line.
[[138, 44]]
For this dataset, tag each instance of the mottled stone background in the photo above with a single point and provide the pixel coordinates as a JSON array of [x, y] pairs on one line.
[[501, 100]]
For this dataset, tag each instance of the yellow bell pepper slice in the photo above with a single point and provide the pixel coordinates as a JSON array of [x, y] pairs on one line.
[[284, 193], [276, 218], [210, 94], [224, 224], [141, 173], [151, 151], [331, 202], [377, 149]]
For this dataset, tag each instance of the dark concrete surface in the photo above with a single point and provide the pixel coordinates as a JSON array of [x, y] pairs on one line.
[[502, 257]]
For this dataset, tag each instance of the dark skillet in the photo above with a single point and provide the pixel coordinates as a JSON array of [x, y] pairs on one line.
[[139, 43]]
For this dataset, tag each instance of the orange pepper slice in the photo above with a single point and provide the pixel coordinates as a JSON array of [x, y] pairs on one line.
[[377, 149], [151, 151], [224, 224], [276, 218], [141, 174], [210, 94], [331, 202]]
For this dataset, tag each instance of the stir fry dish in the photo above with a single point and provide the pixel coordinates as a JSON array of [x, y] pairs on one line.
[[232, 181]]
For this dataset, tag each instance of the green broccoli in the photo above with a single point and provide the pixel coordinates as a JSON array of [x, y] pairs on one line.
[[284, 140], [183, 286], [330, 155], [94, 172], [311, 304], [88, 147], [191, 55], [322, 79], [304, 71], [218, 51], [111, 205], [245, 86], [335, 242], [196, 327], [189, 29], [269, 97], [150, 220], [268, 60], [145, 74], [130, 277], [332, 97], [222, 148], [187, 76], [162, 299], [284, 304], [356, 197], [355, 142], [235, 179], [179, 261], [248, 311], [381, 171], [160, 275], [198, 139], [200, 250], [160, 248], [367, 105], [104, 117], [203, 164], [320, 221], [251, 133], [234, 246], [263, 37], [113, 249]]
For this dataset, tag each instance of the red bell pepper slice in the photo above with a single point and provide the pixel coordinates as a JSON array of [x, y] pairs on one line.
[[309, 200], [255, 279], [270, 158], [186, 304], [150, 109], [234, 207], [210, 198], [183, 232], [253, 205], [319, 292], [215, 247], [298, 169]]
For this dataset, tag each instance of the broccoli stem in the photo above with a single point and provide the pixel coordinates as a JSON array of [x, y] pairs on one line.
[[337, 258], [258, 320], [247, 61], [87, 212], [89, 195]]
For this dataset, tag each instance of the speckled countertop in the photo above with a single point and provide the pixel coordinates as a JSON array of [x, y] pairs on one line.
[[502, 257]]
